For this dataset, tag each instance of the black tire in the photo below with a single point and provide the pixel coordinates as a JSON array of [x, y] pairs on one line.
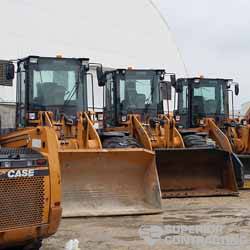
[[36, 245], [238, 170], [195, 141], [120, 142], [33, 246]]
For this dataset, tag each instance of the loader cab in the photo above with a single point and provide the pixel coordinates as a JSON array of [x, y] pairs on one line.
[[200, 98], [129, 91], [50, 84]]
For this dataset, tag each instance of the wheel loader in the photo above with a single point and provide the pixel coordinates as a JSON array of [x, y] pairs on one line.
[[134, 116], [208, 99], [52, 94], [30, 186]]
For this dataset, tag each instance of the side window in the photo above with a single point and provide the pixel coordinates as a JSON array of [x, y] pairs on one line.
[[21, 85], [109, 102], [109, 92], [20, 90], [122, 90], [222, 98], [183, 100], [185, 95]]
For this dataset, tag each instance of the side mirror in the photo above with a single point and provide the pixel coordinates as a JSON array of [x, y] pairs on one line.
[[162, 76], [173, 80], [10, 71], [236, 89], [7, 73], [101, 77], [166, 90], [179, 87]]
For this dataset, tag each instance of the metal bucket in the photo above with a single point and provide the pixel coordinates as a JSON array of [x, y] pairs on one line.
[[109, 182], [195, 172]]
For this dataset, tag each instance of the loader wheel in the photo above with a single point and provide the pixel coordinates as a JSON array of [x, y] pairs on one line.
[[238, 170], [36, 245], [33, 246], [120, 142], [196, 141]]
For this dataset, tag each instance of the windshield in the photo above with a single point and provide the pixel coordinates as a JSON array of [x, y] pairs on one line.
[[57, 84], [209, 97], [139, 91]]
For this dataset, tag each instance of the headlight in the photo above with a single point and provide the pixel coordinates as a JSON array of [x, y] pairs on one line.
[[177, 118], [244, 122], [100, 117], [124, 118], [201, 122], [32, 116]]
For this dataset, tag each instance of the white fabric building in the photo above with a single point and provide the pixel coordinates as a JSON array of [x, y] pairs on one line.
[[245, 108], [118, 33]]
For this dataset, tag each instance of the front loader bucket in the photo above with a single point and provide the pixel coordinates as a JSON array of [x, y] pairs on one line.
[[245, 159], [109, 182], [195, 172]]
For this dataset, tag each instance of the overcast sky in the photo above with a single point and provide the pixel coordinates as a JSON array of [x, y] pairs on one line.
[[212, 35], [117, 33]]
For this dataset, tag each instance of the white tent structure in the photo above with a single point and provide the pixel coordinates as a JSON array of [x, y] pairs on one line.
[[118, 33]]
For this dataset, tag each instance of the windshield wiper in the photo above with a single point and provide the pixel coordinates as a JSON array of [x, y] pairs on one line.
[[71, 94]]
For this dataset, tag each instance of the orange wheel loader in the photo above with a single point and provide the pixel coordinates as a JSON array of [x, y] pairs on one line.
[[52, 94], [203, 106], [30, 185], [134, 116]]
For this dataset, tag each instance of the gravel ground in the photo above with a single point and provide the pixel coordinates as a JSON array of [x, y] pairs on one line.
[[228, 216]]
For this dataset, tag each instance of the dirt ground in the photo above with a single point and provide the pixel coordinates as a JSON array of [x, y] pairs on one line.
[[230, 216]]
